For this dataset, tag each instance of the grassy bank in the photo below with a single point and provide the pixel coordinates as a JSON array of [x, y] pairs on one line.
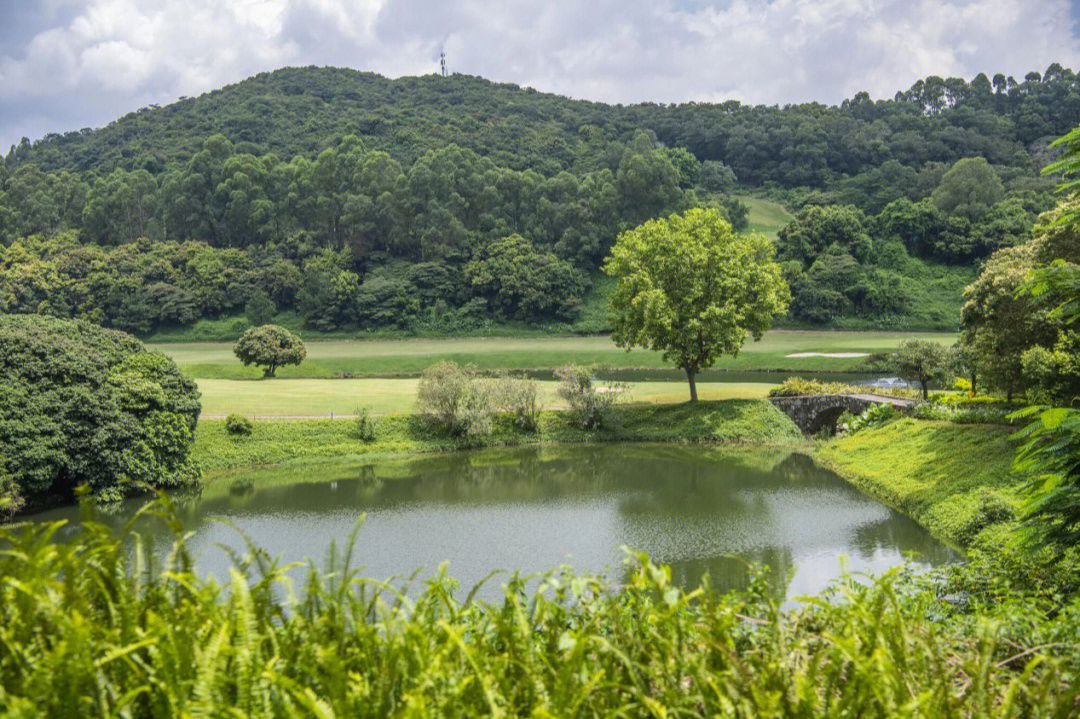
[[273, 442], [955, 480], [367, 358]]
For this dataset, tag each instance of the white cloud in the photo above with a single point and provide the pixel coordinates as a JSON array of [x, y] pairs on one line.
[[108, 57]]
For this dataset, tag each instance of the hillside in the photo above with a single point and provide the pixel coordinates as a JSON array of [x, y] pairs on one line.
[[346, 201], [301, 111]]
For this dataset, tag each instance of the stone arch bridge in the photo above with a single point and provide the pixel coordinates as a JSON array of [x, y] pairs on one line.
[[812, 412]]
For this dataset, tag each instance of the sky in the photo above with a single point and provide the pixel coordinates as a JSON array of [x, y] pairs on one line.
[[69, 64]]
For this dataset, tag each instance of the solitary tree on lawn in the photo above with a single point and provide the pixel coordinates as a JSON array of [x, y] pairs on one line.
[[689, 287]]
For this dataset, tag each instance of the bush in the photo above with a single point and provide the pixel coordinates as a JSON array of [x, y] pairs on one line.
[[80, 404], [363, 425], [798, 386], [457, 398], [238, 425], [590, 405], [963, 413], [516, 396], [874, 416]]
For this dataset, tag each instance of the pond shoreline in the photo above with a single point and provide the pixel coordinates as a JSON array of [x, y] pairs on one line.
[[279, 441]]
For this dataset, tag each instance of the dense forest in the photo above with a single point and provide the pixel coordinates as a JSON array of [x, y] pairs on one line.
[[444, 204]]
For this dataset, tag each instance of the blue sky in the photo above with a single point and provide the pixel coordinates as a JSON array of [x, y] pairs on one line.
[[68, 64]]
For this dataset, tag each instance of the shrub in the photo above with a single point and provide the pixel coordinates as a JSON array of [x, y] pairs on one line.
[[269, 347], [457, 398], [363, 427], [590, 405], [799, 386], [516, 396], [874, 416], [80, 404], [238, 425]]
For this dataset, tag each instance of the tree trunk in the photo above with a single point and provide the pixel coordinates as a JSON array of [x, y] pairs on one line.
[[974, 384], [925, 390], [691, 376]]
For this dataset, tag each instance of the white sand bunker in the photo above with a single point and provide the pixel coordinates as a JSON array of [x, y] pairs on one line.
[[839, 355]]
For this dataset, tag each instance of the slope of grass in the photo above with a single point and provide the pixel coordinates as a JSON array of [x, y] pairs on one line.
[[765, 216], [390, 357], [955, 480], [274, 442]]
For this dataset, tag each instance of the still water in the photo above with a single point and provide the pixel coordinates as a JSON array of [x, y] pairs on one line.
[[700, 510]]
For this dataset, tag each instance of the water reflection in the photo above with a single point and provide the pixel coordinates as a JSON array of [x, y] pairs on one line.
[[700, 510]]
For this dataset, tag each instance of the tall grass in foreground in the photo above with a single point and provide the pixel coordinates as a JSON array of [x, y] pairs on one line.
[[93, 627]]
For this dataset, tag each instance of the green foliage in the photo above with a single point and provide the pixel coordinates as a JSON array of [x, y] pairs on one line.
[[147, 638], [516, 397], [80, 405], [923, 362], [457, 398], [520, 283], [692, 289], [238, 425], [260, 309], [969, 189], [364, 425], [1051, 446], [1016, 313], [591, 403], [269, 347], [874, 416], [800, 386]]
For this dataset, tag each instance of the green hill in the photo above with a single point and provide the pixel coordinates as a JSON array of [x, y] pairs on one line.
[[353, 201]]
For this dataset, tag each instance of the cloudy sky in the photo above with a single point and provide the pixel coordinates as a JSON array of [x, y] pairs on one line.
[[68, 64]]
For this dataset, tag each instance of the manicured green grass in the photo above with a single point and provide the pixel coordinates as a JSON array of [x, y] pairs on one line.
[[955, 480], [321, 397], [274, 442], [359, 358], [766, 216]]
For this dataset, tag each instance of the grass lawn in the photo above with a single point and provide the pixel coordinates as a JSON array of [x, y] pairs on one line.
[[765, 216], [321, 397], [329, 359]]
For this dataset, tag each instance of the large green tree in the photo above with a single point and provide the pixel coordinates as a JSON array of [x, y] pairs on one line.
[[969, 189], [689, 287], [82, 405]]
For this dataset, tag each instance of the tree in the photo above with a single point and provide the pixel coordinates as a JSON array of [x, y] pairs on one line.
[[969, 189], [921, 361], [269, 347], [688, 286], [259, 309], [82, 405], [522, 283]]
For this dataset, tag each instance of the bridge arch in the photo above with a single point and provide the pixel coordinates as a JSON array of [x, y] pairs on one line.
[[811, 413]]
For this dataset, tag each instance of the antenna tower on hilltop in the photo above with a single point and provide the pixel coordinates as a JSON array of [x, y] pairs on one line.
[[442, 61]]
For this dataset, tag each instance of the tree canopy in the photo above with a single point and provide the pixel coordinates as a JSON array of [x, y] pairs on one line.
[[82, 405], [269, 347], [689, 287]]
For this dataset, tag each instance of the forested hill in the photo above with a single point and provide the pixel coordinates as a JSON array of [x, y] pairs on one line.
[[340, 200], [301, 111]]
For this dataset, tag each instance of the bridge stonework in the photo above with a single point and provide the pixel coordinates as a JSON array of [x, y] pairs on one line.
[[813, 412]]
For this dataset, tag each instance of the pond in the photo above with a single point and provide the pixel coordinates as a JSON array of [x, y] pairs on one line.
[[699, 509]]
